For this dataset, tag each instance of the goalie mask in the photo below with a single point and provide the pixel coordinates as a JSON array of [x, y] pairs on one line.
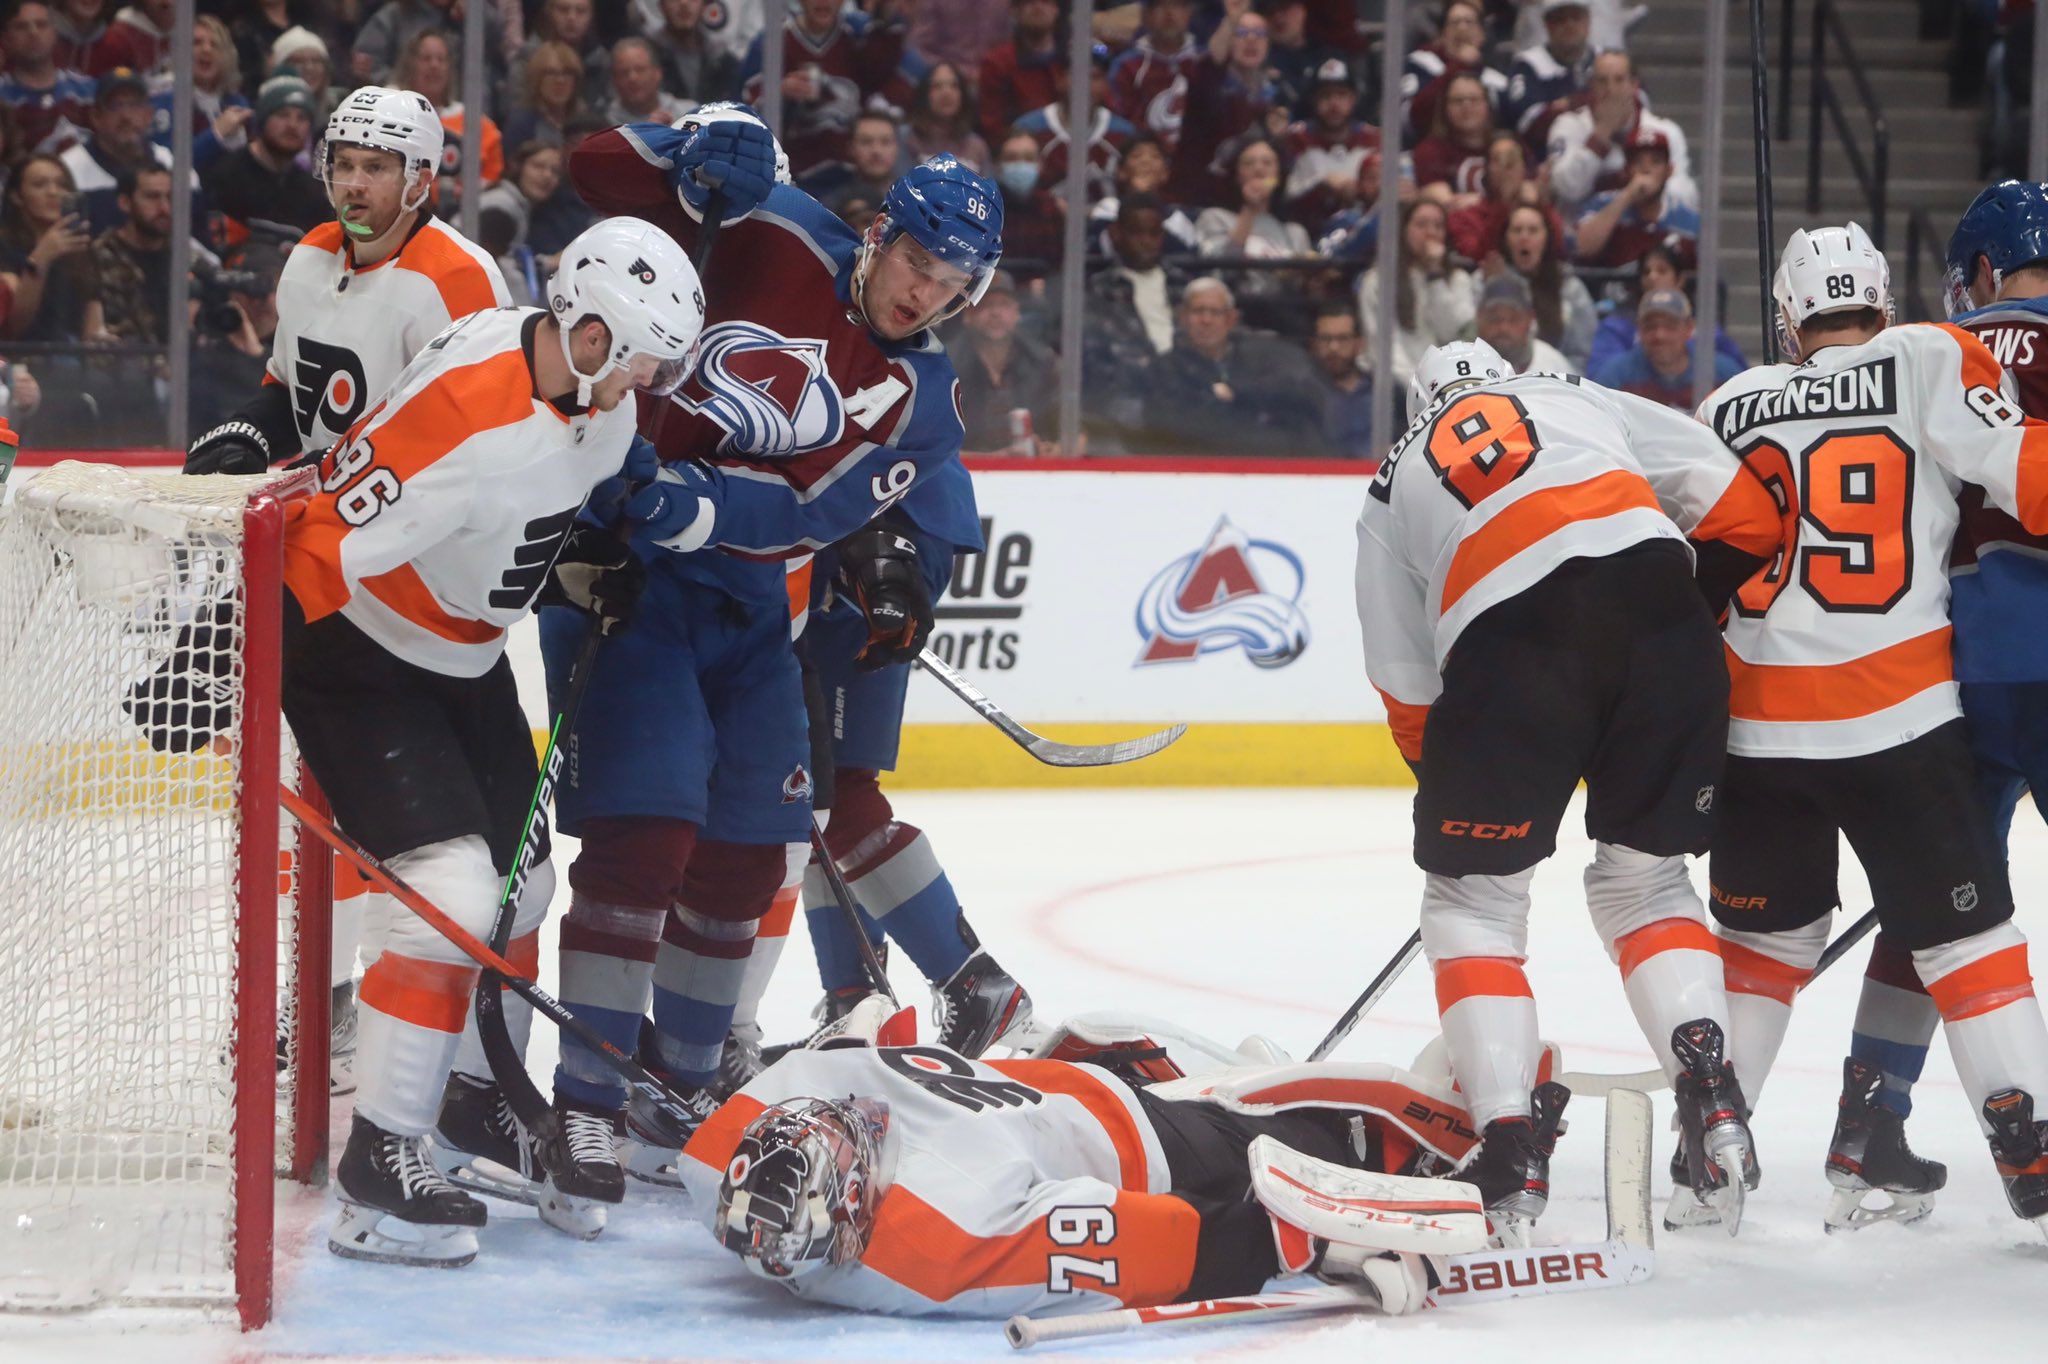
[[799, 1192]]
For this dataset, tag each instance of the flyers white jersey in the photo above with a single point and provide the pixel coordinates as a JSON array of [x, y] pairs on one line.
[[1011, 1186], [440, 512], [1494, 487], [344, 331], [1841, 645]]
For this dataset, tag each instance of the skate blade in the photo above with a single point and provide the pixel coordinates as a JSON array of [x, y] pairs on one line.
[[651, 1164], [362, 1233], [582, 1218], [476, 1175], [1847, 1212], [1728, 1199]]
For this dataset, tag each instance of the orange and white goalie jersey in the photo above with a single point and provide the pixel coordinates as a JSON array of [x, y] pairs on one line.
[[344, 332], [441, 510], [1841, 645], [1493, 488], [1007, 1186]]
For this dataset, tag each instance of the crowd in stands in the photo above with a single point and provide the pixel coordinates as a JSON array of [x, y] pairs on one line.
[[1233, 168]]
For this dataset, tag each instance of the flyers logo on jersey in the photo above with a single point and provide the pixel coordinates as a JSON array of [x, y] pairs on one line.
[[328, 388], [772, 393]]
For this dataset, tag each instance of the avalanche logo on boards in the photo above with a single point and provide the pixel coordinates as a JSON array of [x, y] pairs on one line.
[[1232, 593]]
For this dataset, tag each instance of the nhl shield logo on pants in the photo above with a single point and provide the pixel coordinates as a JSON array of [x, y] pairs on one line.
[[1964, 897]]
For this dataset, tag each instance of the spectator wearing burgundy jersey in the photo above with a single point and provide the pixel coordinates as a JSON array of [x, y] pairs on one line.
[[1550, 78], [1109, 133], [1230, 95], [941, 119], [1325, 151], [1588, 146], [1450, 164], [81, 28], [139, 38], [833, 64], [1618, 225], [1460, 48], [51, 105], [1149, 83], [957, 32], [1017, 74], [1506, 185]]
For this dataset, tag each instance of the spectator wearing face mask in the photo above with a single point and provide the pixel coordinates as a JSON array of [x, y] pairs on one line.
[[1034, 225]]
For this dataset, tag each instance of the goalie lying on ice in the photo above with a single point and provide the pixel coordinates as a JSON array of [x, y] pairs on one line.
[[913, 1181]]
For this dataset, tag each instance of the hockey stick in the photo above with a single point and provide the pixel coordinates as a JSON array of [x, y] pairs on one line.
[[1048, 751], [878, 974], [1361, 1006], [1594, 1086], [1626, 1257], [637, 1077]]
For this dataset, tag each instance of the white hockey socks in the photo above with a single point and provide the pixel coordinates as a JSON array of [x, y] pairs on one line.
[[1985, 992], [1763, 973], [1475, 932], [1654, 928]]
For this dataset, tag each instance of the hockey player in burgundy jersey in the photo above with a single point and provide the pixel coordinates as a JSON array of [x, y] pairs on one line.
[[821, 401], [1998, 590]]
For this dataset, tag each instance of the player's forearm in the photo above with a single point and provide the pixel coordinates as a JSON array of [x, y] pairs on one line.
[[270, 412], [624, 169]]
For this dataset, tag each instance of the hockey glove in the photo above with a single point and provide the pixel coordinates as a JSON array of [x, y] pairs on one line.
[[231, 448], [880, 571], [607, 502], [737, 157], [598, 573], [676, 511]]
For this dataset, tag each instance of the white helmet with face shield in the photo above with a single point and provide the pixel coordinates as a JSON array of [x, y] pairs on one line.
[[631, 276], [386, 120]]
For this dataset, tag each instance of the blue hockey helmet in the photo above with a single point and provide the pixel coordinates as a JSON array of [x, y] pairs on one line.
[[954, 214], [2007, 224]]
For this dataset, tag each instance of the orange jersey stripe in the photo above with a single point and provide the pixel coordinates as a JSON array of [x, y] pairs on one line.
[[1792, 692], [431, 994], [1745, 517], [463, 285], [436, 419], [404, 591], [1537, 516], [719, 1137], [1150, 1261], [1746, 971], [326, 237], [1407, 722], [1057, 1077], [1463, 977], [1665, 935], [1990, 982]]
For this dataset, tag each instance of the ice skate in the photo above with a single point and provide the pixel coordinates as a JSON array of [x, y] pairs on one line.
[[2019, 1146], [826, 1014], [395, 1206], [1869, 1154], [652, 1146], [480, 1147], [741, 1060], [1511, 1165], [979, 1006], [1719, 1157], [586, 1175]]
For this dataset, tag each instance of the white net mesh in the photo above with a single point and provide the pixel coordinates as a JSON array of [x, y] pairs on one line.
[[120, 601]]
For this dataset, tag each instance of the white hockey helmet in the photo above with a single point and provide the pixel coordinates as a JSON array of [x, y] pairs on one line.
[[1455, 362], [800, 1191], [390, 121], [732, 111], [631, 276], [1828, 270]]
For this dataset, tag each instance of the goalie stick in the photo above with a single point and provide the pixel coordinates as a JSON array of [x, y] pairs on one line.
[[637, 1077], [1626, 1257], [1048, 751]]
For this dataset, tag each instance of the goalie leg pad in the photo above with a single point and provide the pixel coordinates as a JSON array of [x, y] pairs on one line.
[[1317, 1199]]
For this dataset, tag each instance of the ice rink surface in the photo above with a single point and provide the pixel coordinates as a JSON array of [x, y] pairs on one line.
[[1234, 912]]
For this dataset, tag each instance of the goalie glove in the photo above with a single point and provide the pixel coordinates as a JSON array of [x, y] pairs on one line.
[[595, 572], [880, 571]]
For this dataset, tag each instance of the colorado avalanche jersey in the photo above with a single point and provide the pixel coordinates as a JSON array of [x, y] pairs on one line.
[[440, 511], [812, 424], [1841, 646], [1998, 577], [1493, 488], [345, 331]]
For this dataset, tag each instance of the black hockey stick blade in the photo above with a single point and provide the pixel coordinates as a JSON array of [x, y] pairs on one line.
[[878, 975], [1051, 752], [1361, 1006]]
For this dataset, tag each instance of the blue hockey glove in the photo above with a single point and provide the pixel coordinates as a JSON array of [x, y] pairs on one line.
[[606, 505], [733, 156], [676, 511]]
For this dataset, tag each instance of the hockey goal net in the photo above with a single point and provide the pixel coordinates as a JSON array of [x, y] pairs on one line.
[[163, 944]]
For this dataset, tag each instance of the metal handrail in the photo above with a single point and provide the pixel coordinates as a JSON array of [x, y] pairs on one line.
[[1872, 176], [1922, 241]]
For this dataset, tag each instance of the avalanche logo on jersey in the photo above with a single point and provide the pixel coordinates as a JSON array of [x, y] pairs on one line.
[[772, 393], [329, 388], [1232, 593]]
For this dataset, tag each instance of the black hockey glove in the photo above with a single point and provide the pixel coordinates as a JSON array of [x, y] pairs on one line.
[[880, 572], [595, 572], [236, 447]]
